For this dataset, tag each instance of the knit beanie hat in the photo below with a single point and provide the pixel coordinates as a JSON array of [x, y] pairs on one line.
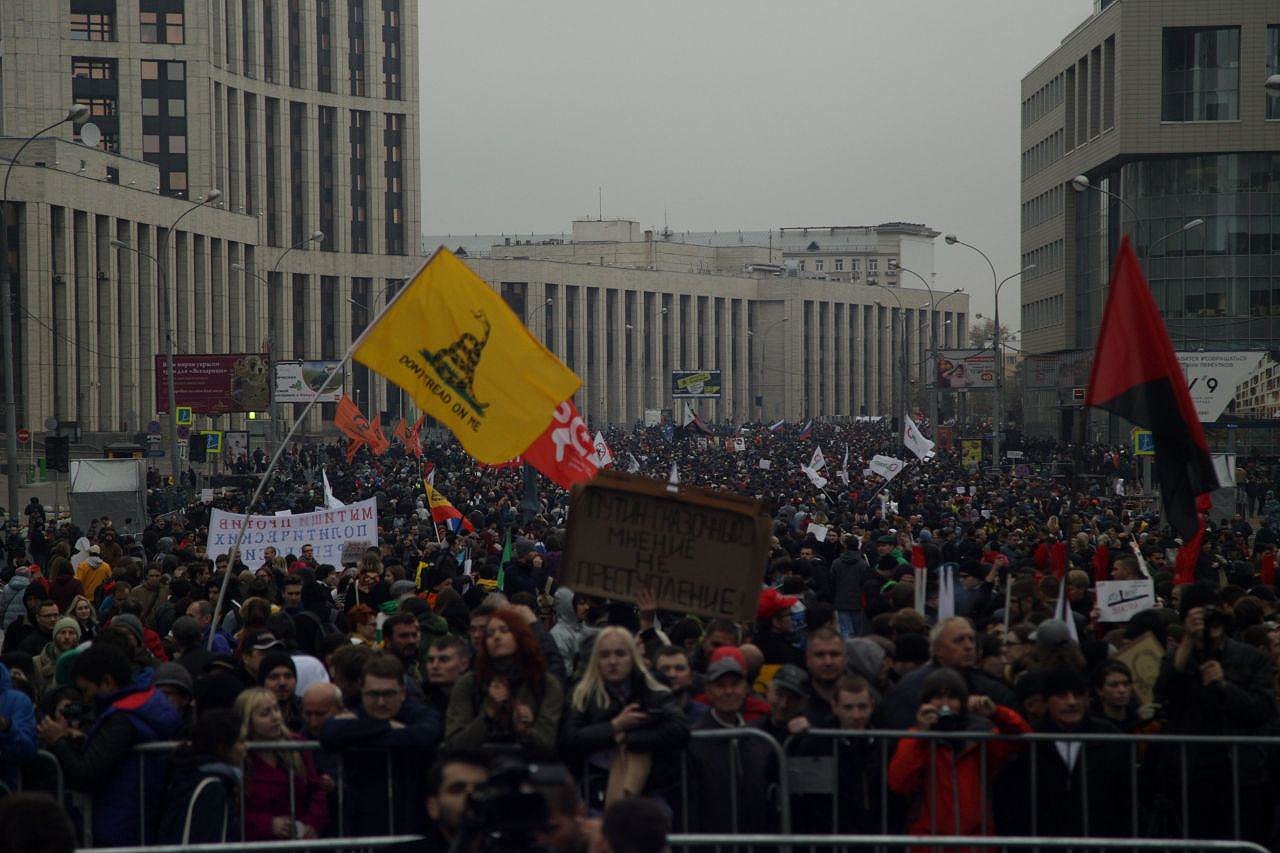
[[67, 622]]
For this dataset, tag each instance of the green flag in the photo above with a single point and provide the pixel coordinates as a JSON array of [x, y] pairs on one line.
[[508, 551]]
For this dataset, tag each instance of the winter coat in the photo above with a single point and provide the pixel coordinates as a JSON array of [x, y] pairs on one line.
[[1101, 771], [64, 589], [108, 768], [375, 752], [900, 707], [266, 796], [950, 802], [217, 819], [12, 607], [848, 573], [469, 724], [664, 737], [711, 775], [18, 742]]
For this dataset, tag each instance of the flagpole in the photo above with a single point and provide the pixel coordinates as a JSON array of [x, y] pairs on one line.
[[262, 485]]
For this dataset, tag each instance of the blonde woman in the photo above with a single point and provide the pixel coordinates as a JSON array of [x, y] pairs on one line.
[[86, 615], [621, 723], [267, 774]]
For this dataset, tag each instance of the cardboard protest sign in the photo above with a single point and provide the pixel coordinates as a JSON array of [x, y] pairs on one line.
[[1143, 657], [766, 464], [1119, 600], [698, 551]]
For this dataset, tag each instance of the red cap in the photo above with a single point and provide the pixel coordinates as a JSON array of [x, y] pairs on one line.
[[772, 603]]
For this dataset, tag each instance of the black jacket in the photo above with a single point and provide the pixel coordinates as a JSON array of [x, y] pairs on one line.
[[374, 753], [847, 577], [217, 801], [899, 709], [1095, 787], [588, 731], [714, 778]]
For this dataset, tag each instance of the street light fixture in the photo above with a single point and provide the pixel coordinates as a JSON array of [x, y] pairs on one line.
[[76, 114], [1273, 84], [314, 237], [953, 240], [1188, 226]]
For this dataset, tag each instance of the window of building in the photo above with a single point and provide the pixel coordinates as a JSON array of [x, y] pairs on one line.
[[268, 43], [177, 145], [1201, 80], [178, 181], [164, 123], [86, 68], [151, 106], [358, 139], [1273, 67], [391, 63], [150, 70], [326, 166], [356, 60], [324, 46], [839, 264], [855, 264], [393, 168], [150, 143], [161, 22], [873, 264], [149, 28], [93, 26], [818, 265]]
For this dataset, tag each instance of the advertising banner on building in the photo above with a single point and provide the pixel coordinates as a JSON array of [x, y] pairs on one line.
[[215, 384], [301, 381], [688, 384], [971, 452], [1215, 379], [325, 530], [965, 368]]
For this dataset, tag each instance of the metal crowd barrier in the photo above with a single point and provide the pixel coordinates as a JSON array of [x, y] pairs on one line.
[[364, 842], [807, 776], [949, 842], [733, 736]]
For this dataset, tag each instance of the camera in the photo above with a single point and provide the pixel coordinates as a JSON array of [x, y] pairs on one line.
[[510, 808]]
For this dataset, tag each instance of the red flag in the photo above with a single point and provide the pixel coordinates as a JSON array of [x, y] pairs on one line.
[[1184, 567], [413, 446], [1102, 563], [359, 432], [564, 451], [1137, 376], [378, 443], [401, 431]]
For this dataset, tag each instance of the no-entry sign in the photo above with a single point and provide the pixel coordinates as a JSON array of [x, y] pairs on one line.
[[24, 435]]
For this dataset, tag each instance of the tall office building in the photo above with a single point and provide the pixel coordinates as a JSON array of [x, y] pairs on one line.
[[303, 113], [1162, 106]]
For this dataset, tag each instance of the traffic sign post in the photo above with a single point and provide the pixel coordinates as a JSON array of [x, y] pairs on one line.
[[24, 435]]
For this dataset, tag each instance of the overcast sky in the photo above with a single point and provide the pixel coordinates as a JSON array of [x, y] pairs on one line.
[[733, 114]]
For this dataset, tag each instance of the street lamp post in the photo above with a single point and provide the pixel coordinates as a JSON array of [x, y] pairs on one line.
[[77, 114], [313, 237], [933, 335], [998, 424]]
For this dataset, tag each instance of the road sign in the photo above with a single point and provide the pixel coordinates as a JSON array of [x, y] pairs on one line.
[[155, 453], [153, 427], [184, 416], [24, 435], [1144, 443], [1078, 394]]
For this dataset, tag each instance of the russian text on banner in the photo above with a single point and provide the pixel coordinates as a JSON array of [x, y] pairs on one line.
[[327, 531], [456, 347]]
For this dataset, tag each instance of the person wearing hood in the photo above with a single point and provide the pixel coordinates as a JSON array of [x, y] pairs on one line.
[[944, 779], [64, 587], [215, 752], [569, 632], [849, 573], [59, 559], [17, 729], [105, 765], [82, 551], [110, 548], [13, 600], [92, 572]]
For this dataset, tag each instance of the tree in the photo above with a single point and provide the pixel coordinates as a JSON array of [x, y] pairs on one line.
[[982, 335]]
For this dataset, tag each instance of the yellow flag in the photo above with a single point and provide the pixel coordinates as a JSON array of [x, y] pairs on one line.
[[456, 347]]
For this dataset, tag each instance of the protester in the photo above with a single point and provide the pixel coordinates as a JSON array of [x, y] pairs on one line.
[[203, 783], [272, 810]]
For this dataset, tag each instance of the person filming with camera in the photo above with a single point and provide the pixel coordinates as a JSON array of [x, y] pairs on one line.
[[1212, 685]]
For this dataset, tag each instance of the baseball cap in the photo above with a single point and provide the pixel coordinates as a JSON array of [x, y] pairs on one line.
[[265, 640], [1051, 633], [726, 660], [174, 675], [793, 678], [772, 603], [887, 540]]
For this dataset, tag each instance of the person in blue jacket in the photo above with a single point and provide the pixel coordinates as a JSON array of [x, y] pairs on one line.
[[106, 766], [17, 729]]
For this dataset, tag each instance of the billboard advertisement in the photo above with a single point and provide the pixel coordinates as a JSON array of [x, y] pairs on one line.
[[689, 384], [300, 381], [965, 368], [1217, 379], [215, 384]]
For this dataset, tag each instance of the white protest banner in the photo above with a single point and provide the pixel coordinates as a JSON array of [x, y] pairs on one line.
[[817, 462], [766, 464], [915, 441], [819, 481], [819, 531], [739, 444], [206, 496], [887, 466], [326, 531], [1119, 600]]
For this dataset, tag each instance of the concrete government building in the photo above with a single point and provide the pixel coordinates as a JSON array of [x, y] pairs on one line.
[[797, 319], [303, 113], [1162, 106]]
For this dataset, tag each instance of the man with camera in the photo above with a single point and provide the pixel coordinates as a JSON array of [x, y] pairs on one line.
[[1213, 685]]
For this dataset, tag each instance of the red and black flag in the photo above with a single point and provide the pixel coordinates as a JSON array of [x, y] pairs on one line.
[[1137, 376]]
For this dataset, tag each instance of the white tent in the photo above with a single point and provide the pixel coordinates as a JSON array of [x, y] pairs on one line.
[[116, 488]]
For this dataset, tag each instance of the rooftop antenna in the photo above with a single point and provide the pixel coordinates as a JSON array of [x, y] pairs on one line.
[[600, 204]]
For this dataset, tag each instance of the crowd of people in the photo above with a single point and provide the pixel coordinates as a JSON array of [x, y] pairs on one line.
[[413, 693]]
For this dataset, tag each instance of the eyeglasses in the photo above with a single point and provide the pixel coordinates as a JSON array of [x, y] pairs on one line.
[[380, 695]]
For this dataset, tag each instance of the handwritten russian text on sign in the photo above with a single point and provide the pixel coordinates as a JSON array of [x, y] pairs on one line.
[[326, 531], [1119, 600], [698, 551]]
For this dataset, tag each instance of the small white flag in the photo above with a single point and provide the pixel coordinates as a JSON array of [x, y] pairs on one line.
[[330, 502], [946, 592], [1062, 611], [674, 479], [633, 467], [843, 473], [819, 481], [887, 466], [915, 440], [817, 462], [604, 456]]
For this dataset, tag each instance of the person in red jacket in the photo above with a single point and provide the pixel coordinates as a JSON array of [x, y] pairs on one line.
[[951, 802], [271, 812]]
